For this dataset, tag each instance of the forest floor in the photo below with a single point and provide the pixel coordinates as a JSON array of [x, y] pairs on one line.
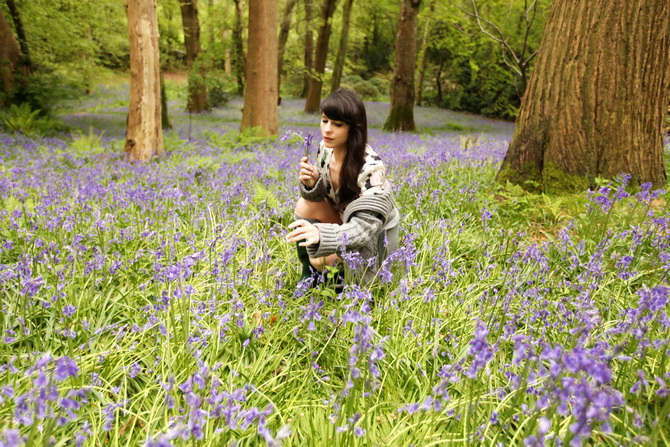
[[158, 304]]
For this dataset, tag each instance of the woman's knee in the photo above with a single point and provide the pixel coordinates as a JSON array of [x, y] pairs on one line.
[[323, 211], [305, 209]]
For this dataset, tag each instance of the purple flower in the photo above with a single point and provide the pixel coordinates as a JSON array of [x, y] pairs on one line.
[[480, 350], [65, 367], [11, 438], [69, 310]]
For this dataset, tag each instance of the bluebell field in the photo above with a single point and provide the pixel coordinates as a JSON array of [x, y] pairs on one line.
[[158, 304]]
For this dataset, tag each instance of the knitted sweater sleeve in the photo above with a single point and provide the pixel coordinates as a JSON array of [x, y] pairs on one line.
[[363, 219], [316, 193], [358, 232]]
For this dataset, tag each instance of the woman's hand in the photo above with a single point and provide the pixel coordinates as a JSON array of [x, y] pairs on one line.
[[308, 173], [303, 230]]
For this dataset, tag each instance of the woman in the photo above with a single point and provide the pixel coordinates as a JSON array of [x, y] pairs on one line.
[[346, 202]]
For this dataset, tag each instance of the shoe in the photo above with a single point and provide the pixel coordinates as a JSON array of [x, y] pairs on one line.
[[303, 256]]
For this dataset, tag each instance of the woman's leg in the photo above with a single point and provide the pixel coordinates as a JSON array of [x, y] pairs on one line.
[[325, 212]]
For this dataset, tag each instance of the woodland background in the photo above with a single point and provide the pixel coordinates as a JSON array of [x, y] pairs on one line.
[[72, 43]]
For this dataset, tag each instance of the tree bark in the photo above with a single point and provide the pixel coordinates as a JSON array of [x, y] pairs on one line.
[[227, 55], [595, 99], [401, 116], [144, 137], [239, 62], [316, 79], [165, 119], [21, 35], [260, 98], [309, 47], [10, 54], [342, 50], [283, 37], [424, 55], [197, 89]]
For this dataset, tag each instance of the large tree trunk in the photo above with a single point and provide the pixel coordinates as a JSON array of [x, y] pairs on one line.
[[342, 50], [401, 116], [260, 97], [197, 89], [309, 48], [596, 98], [10, 54], [283, 37], [316, 80], [144, 137], [239, 62]]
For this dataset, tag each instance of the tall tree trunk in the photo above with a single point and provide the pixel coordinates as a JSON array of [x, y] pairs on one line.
[[239, 62], [10, 55], [21, 35], [401, 116], [424, 55], [438, 82], [309, 47], [342, 50], [283, 37], [316, 80], [260, 97], [144, 137], [596, 97], [165, 119], [227, 58], [197, 89]]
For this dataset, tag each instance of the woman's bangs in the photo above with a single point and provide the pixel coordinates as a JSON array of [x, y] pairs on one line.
[[334, 110]]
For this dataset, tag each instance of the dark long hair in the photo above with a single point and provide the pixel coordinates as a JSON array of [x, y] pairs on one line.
[[345, 105]]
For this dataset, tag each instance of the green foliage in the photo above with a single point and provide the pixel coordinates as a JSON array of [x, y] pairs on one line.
[[366, 90], [40, 90], [547, 212], [87, 144], [472, 71], [262, 195], [382, 85], [220, 87], [248, 137], [23, 119], [377, 25]]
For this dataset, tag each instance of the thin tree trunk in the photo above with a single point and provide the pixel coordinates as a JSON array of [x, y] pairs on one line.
[[342, 50], [10, 55], [239, 62], [424, 55], [309, 47], [316, 80], [596, 98], [144, 137], [283, 37], [438, 82], [197, 89], [21, 35], [401, 116], [165, 119], [227, 58], [260, 97]]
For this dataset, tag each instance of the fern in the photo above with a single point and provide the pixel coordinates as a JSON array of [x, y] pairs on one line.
[[263, 195]]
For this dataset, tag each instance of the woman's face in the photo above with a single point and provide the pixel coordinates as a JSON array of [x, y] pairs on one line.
[[335, 133]]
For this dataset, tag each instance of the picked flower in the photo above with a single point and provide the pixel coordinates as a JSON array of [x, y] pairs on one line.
[[307, 145]]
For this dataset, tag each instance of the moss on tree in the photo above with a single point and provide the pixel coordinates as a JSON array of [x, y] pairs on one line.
[[401, 118]]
